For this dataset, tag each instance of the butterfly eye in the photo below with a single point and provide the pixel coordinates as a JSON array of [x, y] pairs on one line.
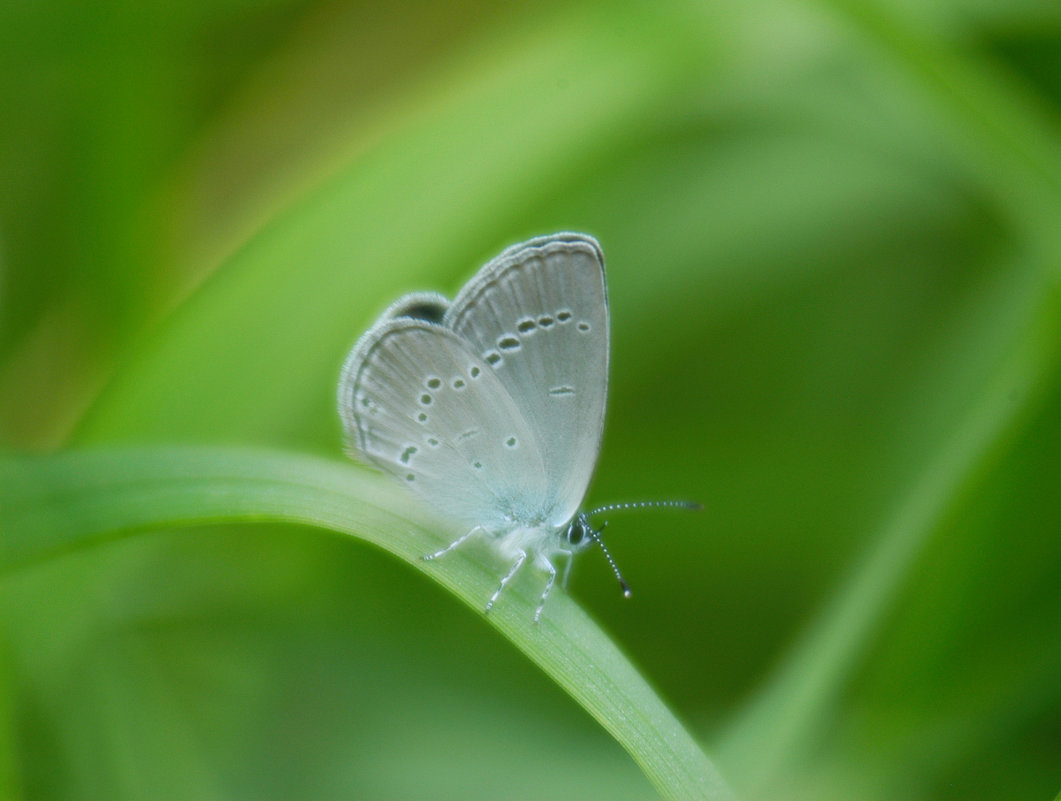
[[576, 533]]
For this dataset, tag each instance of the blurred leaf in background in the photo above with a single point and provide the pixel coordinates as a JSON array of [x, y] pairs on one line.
[[833, 250]]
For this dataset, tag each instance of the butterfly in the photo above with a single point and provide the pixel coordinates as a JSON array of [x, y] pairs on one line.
[[491, 407]]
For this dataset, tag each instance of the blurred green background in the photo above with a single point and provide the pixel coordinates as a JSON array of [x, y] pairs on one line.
[[833, 234]]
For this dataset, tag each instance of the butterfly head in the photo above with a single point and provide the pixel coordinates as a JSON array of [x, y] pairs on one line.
[[579, 534]]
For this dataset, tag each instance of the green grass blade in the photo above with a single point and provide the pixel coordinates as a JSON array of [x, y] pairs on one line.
[[52, 505], [781, 722], [1007, 135]]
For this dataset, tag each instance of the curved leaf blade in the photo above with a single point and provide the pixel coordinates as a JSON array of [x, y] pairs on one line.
[[55, 504]]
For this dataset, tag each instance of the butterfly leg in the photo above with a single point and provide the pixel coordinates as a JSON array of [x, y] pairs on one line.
[[548, 587], [508, 577], [452, 545]]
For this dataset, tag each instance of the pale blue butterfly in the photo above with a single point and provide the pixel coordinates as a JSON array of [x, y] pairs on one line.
[[491, 407]]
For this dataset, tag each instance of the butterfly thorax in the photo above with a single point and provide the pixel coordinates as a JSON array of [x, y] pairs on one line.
[[545, 540]]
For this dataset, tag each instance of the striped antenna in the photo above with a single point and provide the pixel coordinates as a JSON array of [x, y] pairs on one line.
[[607, 555], [622, 507]]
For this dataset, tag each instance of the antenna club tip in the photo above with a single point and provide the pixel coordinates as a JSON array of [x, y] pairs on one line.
[[626, 591]]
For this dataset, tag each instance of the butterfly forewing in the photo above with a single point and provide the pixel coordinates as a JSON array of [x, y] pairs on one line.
[[422, 405], [537, 315]]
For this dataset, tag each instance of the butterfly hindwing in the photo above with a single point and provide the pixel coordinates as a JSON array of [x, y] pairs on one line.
[[418, 403]]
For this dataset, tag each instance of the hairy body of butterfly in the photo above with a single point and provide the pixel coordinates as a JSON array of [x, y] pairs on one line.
[[491, 407]]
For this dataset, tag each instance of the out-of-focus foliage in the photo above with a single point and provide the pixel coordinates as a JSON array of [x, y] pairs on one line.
[[833, 241]]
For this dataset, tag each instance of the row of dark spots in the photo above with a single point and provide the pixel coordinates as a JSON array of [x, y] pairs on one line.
[[509, 343], [434, 382], [426, 399], [526, 325]]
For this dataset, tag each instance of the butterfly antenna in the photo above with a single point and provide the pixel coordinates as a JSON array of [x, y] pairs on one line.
[[607, 555], [622, 507]]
